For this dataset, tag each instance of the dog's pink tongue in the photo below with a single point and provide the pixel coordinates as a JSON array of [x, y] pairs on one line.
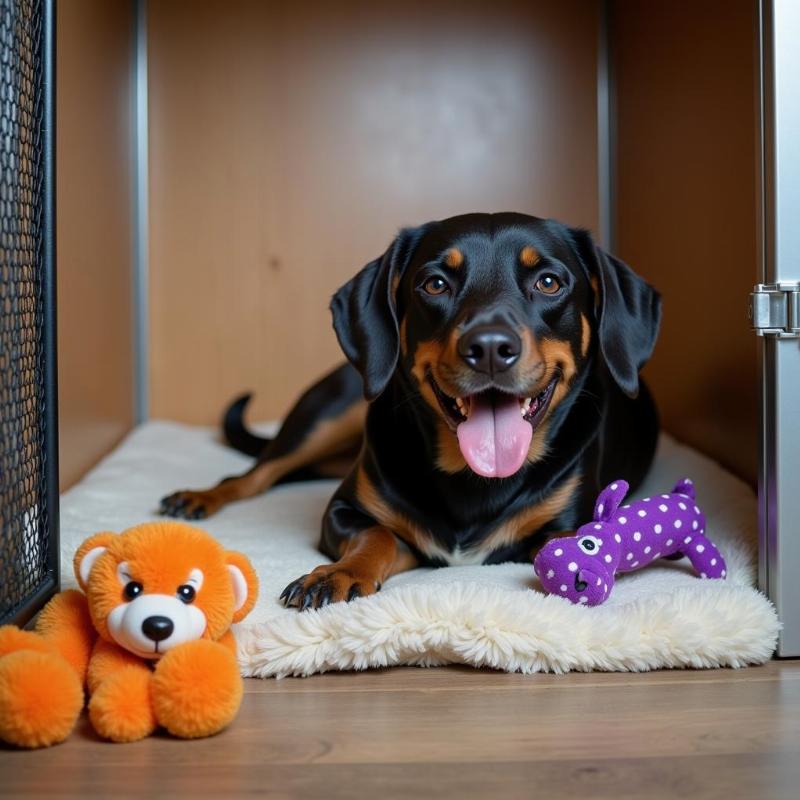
[[495, 439]]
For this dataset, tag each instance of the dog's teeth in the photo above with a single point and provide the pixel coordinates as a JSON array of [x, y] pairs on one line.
[[462, 406], [525, 406]]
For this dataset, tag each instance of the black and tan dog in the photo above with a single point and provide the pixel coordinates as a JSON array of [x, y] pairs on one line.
[[499, 358]]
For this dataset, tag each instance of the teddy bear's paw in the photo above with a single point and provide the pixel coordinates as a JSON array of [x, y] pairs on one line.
[[13, 639], [196, 689], [40, 698], [120, 708]]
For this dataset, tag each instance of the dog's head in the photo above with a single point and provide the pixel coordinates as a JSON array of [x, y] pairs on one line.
[[493, 318], [161, 584]]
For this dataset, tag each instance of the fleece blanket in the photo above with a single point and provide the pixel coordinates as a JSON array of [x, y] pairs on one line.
[[488, 616]]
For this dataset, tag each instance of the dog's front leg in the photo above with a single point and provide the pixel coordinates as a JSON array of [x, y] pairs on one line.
[[367, 559]]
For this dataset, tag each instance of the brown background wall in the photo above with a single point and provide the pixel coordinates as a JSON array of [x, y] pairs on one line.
[[94, 238], [288, 147], [686, 208]]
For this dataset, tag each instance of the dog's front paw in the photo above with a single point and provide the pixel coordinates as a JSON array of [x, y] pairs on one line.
[[188, 504], [329, 583]]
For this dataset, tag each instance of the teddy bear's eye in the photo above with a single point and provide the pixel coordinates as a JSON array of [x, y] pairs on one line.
[[589, 544], [132, 590], [186, 593]]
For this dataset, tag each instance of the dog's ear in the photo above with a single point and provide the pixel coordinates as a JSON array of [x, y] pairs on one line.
[[628, 309], [365, 313]]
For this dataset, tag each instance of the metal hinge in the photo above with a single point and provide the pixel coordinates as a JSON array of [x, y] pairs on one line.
[[775, 309]]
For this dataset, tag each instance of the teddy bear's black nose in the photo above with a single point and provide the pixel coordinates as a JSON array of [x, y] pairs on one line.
[[158, 628]]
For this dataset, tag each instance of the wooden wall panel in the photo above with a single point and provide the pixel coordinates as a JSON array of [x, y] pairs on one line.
[[94, 236], [289, 142], [686, 208]]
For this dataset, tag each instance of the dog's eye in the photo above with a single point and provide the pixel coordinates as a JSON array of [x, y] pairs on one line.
[[186, 593], [589, 544], [132, 590], [436, 285], [548, 284]]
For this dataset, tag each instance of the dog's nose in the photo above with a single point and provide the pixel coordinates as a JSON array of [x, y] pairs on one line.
[[490, 348], [158, 628]]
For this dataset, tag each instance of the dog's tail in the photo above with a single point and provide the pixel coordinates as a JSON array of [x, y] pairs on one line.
[[236, 434]]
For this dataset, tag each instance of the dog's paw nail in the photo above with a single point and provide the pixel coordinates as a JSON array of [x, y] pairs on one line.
[[325, 597], [292, 591], [355, 591], [308, 599]]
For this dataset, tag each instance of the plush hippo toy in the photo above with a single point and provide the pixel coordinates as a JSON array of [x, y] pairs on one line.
[[625, 538]]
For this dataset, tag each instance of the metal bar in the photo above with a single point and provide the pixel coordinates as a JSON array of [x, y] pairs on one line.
[[764, 363], [32, 28], [606, 131], [49, 293], [780, 208], [141, 309]]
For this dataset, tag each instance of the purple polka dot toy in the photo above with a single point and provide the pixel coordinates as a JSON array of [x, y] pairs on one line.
[[624, 538]]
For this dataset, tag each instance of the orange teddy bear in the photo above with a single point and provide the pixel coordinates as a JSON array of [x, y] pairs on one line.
[[150, 639]]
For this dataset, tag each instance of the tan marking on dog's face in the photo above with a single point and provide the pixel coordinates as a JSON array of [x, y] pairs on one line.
[[538, 448], [454, 258], [439, 360], [448, 454], [529, 256], [586, 335], [426, 356], [531, 366], [395, 286], [532, 518], [558, 354]]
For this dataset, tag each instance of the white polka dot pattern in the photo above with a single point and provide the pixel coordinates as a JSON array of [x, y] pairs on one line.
[[584, 573]]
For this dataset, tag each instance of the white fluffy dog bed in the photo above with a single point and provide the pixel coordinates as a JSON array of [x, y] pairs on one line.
[[495, 616]]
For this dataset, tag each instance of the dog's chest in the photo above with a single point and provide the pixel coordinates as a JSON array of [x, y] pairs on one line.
[[475, 544]]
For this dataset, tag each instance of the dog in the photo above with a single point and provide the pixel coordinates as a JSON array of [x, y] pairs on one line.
[[492, 389]]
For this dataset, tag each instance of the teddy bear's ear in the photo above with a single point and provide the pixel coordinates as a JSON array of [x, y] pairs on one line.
[[88, 553], [609, 500], [245, 584]]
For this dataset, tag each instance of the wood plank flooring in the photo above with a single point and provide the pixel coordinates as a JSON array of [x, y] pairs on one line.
[[458, 732]]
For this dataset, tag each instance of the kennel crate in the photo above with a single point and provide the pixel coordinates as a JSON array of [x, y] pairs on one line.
[[340, 126], [29, 556]]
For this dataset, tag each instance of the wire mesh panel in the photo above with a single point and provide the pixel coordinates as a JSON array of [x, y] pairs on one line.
[[28, 468]]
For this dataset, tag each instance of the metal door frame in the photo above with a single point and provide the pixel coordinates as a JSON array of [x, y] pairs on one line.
[[779, 238]]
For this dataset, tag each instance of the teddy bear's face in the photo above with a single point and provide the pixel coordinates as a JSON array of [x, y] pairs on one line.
[[150, 623], [159, 585]]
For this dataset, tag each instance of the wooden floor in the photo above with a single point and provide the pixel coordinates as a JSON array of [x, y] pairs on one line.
[[457, 732]]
